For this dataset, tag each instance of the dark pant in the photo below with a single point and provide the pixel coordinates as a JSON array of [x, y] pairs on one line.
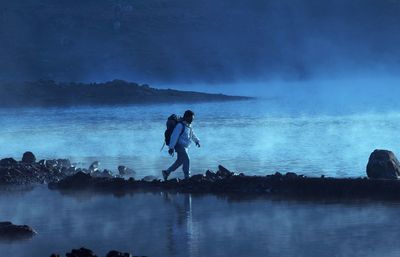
[[182, 159]]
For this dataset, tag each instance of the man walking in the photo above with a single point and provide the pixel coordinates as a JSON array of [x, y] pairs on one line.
[[181, 138]]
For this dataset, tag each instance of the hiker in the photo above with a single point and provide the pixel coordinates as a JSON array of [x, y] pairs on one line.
[[180, 141]]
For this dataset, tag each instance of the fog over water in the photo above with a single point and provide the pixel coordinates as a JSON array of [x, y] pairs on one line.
[[260, 136], [326, 78], [325, 73]]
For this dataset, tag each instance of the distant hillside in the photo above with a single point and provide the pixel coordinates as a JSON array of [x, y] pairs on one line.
[[116, 92]]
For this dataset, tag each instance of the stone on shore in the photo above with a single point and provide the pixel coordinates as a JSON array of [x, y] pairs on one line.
[[6, 162], [125, 171], [28, 157], [15, 232], [383, 164], [84, 252]]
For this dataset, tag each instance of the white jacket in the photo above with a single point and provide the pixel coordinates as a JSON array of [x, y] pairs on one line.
[[186, 138]]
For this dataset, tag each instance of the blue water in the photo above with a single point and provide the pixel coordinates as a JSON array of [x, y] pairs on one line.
[[255, 137], [181, 225]]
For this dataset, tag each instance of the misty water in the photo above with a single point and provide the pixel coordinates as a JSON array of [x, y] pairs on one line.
[[257, 137]]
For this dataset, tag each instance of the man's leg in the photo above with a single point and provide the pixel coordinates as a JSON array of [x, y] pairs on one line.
[[186, 163], [179, 160]]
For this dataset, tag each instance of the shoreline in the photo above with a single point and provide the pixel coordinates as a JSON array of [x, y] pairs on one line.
[[48, 93], [61, 175]]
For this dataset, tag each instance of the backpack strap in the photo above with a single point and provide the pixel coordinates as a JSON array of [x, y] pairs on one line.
[[183, 128]]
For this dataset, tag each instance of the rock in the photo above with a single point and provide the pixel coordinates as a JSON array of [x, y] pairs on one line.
[[94, 166], [197, 177], [63, 163], [11, 231], [210, 175], [290, 175], [383, 164], [149, 178], [82, 252], [102, 174], [125, 171], [50, 163], [7, 162], [223, 172], [28, 157], [78, 180], [114, 253]]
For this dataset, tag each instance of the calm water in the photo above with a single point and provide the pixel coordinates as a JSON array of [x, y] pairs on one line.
[[255, 137], [184, 225]]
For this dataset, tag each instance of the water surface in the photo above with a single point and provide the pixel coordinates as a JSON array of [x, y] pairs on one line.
[[164, 225], [256, 137]]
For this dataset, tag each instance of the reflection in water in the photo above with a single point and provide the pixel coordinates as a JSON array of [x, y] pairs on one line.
[[181, 229], [181, 225]]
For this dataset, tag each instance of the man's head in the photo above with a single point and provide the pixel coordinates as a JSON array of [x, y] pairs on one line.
[[188, 116]]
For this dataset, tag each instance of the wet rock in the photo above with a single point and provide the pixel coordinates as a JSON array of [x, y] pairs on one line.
[[149, 178], [223, 172], [94, 166], [383, 164], [125, 171], [290, 175], [289, 185], [78, 180], [6, 162], [82, 252], [28, 157], [27, 172], [72, 170], [211, 175], [197, 177], [103, 174], [11, 231], [63, 163], [114, 253]]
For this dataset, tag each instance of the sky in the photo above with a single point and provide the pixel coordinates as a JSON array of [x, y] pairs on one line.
[[192, 44]]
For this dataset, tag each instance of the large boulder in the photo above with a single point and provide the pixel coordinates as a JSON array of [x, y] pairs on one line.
[[28, 157], [383, 164], [11, 231]]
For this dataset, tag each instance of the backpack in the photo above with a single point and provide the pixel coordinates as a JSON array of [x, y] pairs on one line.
[[171, 123]]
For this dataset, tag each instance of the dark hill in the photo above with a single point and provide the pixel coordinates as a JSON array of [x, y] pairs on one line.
[[116, 92]]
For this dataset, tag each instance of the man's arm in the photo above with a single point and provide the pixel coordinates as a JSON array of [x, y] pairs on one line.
[[175, 135], [195, 139]]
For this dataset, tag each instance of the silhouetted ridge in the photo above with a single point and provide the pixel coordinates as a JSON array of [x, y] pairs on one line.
[[116, 92]]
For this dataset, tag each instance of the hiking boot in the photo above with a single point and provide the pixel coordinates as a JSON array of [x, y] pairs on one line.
[[165, 174]]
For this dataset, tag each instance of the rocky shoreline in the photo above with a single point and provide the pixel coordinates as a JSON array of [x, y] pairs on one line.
[[383, 170], [84, 252], [224, 182]]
